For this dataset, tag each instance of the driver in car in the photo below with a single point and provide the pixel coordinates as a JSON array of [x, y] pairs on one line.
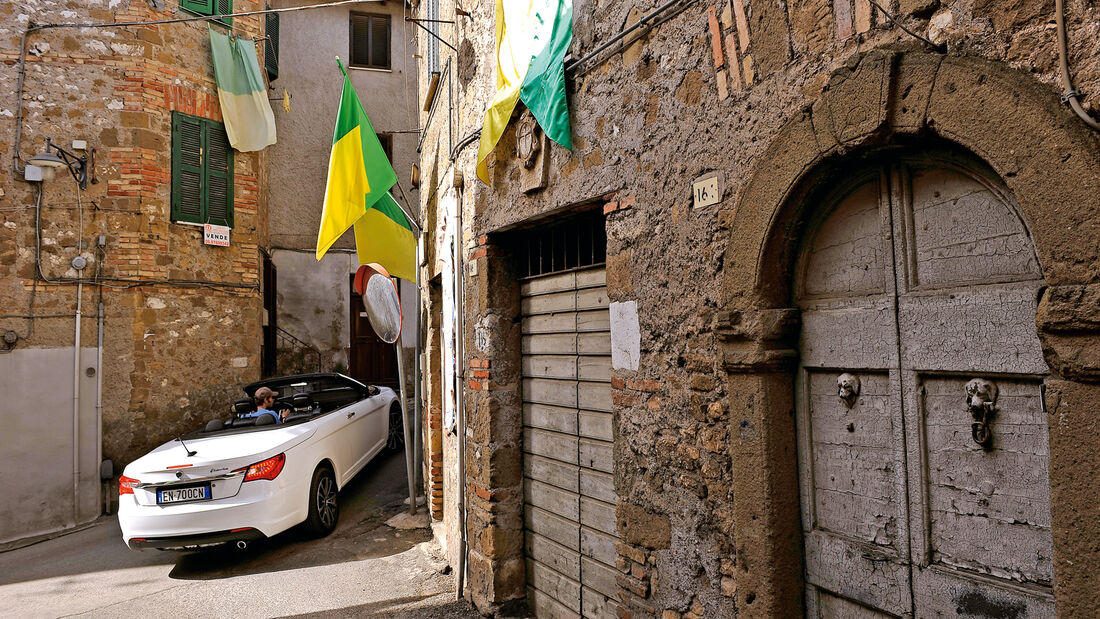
[[265, 399]]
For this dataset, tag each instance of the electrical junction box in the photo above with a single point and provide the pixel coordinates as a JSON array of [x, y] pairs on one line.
[[32, 173], [80, 145]]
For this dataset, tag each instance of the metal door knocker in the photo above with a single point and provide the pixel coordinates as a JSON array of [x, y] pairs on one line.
[[847, 388], [981, 401]]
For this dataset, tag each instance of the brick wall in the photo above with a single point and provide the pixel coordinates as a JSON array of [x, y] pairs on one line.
[[176, 352]]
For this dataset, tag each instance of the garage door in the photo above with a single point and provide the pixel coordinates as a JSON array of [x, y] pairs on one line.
[[923, 457], [569, 491]]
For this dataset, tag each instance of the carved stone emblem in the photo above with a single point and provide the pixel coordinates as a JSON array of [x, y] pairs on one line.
[[981, 401], [847, 388], [528, 144]]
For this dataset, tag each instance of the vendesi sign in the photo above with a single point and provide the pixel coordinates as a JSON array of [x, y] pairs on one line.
[[215, 235]]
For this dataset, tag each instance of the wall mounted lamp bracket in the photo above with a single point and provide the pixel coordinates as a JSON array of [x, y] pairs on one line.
[[78, 166]]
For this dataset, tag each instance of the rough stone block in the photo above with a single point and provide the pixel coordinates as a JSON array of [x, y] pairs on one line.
[[641, 528]]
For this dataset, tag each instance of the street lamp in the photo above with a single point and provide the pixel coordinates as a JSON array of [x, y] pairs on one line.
[[78, 166]]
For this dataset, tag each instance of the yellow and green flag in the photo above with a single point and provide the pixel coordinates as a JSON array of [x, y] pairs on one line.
[[249, 122], [383, 235], [532, 38], [359, 179]]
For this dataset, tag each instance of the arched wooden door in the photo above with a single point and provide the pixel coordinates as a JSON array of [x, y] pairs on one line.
[[918, 278]]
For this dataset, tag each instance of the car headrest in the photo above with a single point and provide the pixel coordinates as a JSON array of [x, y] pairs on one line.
[[265, 420], [301, 400], [214, 425], [242, 406]]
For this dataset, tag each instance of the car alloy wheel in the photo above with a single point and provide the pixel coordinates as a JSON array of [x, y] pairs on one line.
[[326, 502], [324, 511], [396, 437]]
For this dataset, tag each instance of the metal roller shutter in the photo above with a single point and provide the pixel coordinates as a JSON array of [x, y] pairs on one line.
[[569, 488]]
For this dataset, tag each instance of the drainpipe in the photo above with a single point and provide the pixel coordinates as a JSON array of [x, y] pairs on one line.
[[460, 388], [99, 394], [418, 422], [76, 407]]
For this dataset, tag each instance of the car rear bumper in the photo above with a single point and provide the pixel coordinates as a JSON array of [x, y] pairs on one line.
[[268, 507], [182, 542]]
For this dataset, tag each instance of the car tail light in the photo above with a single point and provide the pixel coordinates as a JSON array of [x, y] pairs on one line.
[[126, 485], [267, 469]]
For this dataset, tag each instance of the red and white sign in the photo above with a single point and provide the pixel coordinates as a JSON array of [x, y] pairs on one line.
[[215, 235]]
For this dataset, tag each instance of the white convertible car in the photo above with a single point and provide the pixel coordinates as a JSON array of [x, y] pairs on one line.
[[245, 478]]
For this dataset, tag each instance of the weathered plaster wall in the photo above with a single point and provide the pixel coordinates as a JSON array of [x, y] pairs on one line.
[[313, 297], [309, 42], [708, 517], [182, 319]]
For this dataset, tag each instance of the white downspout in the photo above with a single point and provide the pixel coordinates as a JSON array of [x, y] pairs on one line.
[[76, 406], [460, 387], [99, 399]]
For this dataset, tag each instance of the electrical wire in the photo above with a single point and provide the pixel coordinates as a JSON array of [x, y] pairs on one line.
[[1070, 95], [897, 22]]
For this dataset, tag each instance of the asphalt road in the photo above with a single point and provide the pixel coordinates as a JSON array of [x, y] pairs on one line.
[[363, 569]]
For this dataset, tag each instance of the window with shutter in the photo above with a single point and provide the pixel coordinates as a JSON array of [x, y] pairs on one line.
[[209, 7], [370, 40], [432, 39], [202, 171], [271, 46]]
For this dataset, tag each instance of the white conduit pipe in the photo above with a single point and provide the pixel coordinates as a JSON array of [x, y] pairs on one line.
[[76, 407], [99, 398], [460, 389]]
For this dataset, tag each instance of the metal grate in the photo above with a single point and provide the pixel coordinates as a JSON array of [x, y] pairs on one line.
[[580, 241]]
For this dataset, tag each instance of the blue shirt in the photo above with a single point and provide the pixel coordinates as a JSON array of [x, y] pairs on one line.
[[263, 411]]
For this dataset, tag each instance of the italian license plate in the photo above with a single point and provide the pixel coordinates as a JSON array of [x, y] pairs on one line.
[[183, 495]]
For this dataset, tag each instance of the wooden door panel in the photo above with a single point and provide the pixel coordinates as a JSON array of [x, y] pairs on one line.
[[963, 232], [972, 330], [853, 458], [989, 510], [944, 592], [852, 334], [852, 570], [849, 255]]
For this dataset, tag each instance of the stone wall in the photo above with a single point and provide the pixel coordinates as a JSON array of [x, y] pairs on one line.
[[182, 320], [705, 458]]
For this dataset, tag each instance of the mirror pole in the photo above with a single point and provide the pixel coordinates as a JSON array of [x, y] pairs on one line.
[[406, 418]]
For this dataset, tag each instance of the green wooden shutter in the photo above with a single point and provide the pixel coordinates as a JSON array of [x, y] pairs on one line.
[[271, 46], [203, 7], [187, 168], [223, 7], [219, 175]]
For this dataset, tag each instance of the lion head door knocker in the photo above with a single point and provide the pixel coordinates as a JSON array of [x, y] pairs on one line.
[[847, 388], [528, 143], [981, 401]]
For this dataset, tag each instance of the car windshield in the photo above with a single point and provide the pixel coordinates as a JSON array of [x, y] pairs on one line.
[[298, 398]]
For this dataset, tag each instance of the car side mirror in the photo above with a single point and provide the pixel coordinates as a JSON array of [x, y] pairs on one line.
[[373, 391]]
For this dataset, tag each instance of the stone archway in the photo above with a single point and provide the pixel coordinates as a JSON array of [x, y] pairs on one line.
[[1048, 161]]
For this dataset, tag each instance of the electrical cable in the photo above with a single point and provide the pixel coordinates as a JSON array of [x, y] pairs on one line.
[[897, 22], [1070, 95]]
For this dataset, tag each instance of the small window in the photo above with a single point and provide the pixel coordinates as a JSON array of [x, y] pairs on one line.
[[387, 145], [209, 7], [370, 41], [202, 171], [271, 46]]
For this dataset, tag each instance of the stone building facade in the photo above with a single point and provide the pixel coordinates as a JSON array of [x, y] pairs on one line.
[[181, 320], [314, 300], [801, 200]]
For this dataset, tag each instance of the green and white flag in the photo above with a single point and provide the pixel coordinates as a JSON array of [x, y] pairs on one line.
[[246, 112]]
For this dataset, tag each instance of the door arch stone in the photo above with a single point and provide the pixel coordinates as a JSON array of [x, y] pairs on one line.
[[1047, 160]]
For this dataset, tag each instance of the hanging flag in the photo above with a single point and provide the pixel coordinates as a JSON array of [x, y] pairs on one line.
[[383, 235], [359, 173], [543, 90], [249, 121], [532, 37]]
